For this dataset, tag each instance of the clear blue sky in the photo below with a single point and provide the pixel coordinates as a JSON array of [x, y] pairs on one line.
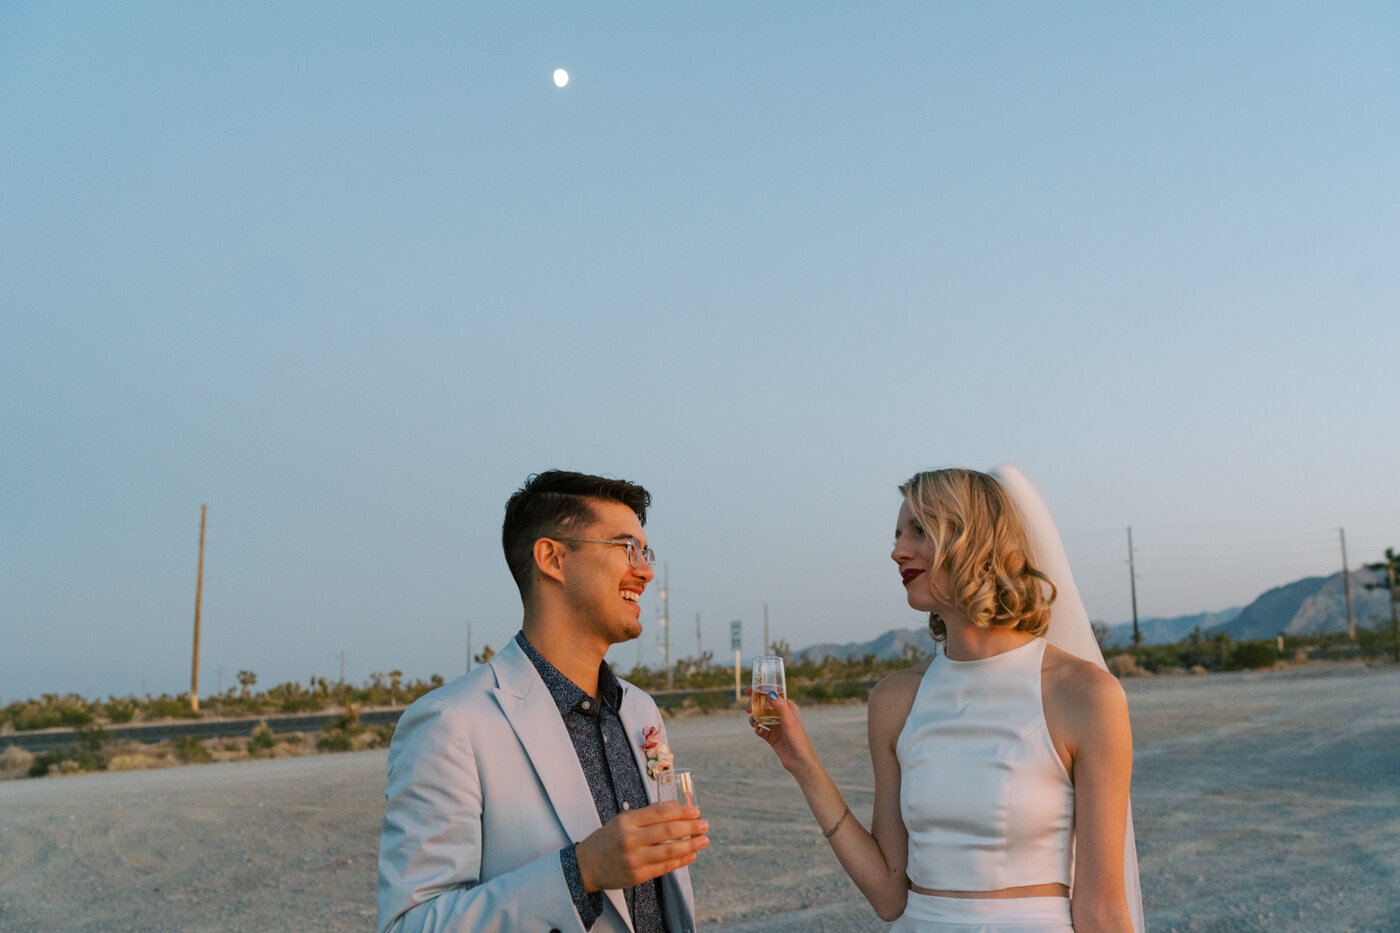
[[349, 272]]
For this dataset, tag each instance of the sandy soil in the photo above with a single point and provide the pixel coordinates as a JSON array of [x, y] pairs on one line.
[[1266, 802]]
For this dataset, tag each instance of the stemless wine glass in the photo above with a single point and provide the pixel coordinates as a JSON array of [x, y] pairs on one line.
[[768, 677], [677, 784]]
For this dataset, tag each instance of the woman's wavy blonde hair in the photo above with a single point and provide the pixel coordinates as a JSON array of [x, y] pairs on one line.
[[978, 539]]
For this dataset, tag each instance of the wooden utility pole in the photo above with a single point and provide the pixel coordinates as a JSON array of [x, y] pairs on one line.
[[198, 598], [1132, 583], [1346, 587]]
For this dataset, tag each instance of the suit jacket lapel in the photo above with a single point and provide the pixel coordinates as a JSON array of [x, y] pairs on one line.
[[526, 703], [635, 718]]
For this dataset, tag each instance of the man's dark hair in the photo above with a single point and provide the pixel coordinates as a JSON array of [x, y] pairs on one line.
[[550, 505]]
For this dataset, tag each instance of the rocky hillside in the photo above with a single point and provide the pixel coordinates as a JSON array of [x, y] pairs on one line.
[[1313, 605]]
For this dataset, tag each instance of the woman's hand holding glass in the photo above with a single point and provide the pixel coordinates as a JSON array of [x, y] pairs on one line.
[[786, 736]]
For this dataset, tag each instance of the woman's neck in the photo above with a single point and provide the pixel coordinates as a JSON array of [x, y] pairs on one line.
[[967, 642]]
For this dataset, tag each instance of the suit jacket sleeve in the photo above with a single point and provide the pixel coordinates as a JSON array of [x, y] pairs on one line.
[[431, 844]]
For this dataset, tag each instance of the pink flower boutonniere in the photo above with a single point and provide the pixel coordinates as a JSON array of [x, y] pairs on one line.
[[659, 757]]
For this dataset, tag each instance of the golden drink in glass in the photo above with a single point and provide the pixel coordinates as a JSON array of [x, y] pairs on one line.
[[768, 678]]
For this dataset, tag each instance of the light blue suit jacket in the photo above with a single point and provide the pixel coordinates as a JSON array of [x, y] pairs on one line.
[[484, 789]]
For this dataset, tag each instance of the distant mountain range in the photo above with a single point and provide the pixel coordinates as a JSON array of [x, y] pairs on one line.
[[1310, 606]]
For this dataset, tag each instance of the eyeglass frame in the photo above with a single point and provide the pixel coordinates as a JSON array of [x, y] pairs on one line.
[[636, 552]]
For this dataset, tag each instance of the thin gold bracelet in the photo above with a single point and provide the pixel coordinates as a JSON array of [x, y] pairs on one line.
[[832, 831]]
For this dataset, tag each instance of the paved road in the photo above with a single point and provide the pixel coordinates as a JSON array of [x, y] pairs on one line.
[[46, 739], [43, 740]]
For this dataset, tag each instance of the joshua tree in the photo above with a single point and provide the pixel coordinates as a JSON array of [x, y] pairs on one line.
[[247, 679], [394, 678], [1391, 568], [486, 655]]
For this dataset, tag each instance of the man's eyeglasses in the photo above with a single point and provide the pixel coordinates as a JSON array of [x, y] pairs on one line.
[[635, 552]]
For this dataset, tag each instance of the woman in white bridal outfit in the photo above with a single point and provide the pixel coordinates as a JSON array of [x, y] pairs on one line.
[[1002, 764]]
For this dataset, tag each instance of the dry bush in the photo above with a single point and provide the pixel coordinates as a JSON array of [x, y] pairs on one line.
[[137, 761], [1125, 665], [286, 750], [15, 761], [228, 751]]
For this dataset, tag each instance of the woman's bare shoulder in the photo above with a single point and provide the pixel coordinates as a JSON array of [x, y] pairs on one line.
[[893, 697], [1082, 688]]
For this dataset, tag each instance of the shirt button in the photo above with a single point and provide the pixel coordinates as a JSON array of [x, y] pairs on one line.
[[586, 705], [626, 805]]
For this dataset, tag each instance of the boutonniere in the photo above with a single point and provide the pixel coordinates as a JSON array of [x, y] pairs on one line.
[[659, 757]]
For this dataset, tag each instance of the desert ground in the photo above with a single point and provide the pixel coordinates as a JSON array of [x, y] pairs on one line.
[[1263, 801]]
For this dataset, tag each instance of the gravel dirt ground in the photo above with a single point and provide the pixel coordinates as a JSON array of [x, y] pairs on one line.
[[1263, 801]]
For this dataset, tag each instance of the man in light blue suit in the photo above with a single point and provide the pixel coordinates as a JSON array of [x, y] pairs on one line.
[[523, 796]]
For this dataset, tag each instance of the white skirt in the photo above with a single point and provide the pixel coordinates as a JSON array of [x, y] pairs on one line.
[[925, 913]]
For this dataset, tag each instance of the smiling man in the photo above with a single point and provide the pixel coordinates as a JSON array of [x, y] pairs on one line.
[[519, 796]]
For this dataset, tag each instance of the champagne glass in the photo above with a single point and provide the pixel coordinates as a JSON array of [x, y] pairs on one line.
[[768, 677]]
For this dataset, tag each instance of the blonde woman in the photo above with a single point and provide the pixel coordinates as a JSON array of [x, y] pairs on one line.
[[1002, 764]]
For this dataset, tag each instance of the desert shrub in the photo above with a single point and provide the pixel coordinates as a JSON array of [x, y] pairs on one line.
[[15, 761], [31, 715], [370, 738], [43, 763], [291, 698], [262, 738], [385, 734], [668, 702], [708, 701], [339, 735], [291, 738], [851, 690], [88, 755], [120, 710], [90, 738], [49, 712], [1125, 665], [168, 707], [1251, 655], [334, 741], [813, 693], [1375, 640], [134, 761], [190, 750]]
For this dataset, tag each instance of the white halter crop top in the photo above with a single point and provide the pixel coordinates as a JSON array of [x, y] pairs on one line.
[[983, 793]]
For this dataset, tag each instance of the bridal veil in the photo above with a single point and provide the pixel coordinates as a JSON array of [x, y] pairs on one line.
[[1070, 629]]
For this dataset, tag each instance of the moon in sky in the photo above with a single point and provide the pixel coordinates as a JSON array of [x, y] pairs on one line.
[[561, 77]]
